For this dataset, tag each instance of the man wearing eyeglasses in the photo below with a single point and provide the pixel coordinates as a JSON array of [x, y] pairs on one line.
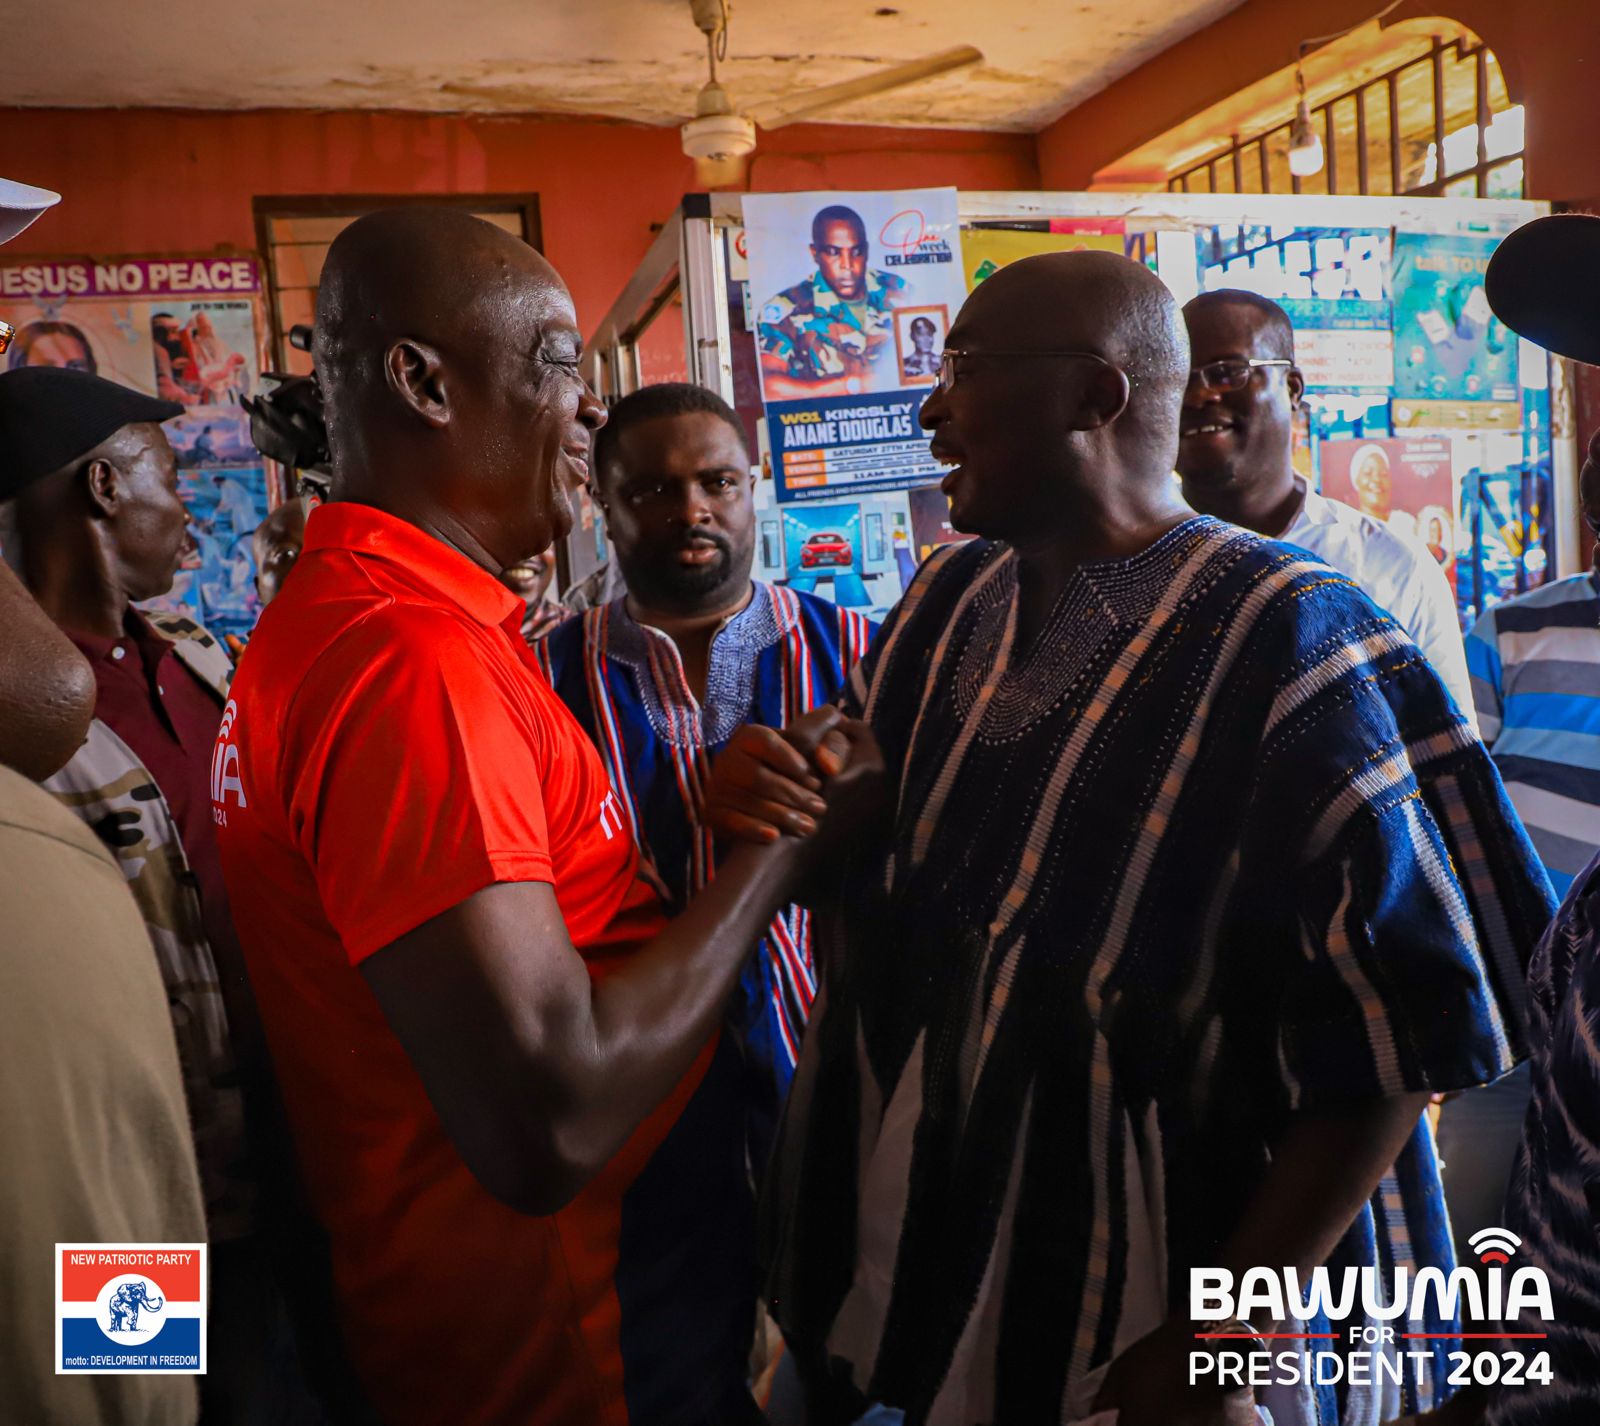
[[1180, 909], [1236, 432], [835, 324]]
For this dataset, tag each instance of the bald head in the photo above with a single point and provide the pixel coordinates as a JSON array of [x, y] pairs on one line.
[[1068, 373], [1087, 301], [447, 352], [428, 274]]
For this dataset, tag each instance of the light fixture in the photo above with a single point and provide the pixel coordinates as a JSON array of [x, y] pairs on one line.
[[1305, 147]]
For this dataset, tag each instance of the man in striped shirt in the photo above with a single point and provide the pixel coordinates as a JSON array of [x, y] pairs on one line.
[[1535, 665], [664, 674]]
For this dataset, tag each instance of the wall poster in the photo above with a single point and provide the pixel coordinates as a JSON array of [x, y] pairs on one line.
[[1449, 346], [1409, 484], [852, 294], [190, 330]]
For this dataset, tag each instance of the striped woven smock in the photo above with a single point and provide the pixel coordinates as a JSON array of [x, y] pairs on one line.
[[782, 655], [1216, 849]]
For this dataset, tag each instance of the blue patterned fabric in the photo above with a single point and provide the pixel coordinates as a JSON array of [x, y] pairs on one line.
[[1554, 1203], [1535, 667], [1215, 849], [782, 655]]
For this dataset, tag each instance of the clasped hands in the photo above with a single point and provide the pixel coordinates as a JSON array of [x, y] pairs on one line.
[[821, 780]]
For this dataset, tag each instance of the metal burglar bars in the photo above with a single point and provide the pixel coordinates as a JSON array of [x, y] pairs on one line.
[[1439, 124]]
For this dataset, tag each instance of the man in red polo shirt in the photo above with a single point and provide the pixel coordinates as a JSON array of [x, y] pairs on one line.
[[501, 1066]]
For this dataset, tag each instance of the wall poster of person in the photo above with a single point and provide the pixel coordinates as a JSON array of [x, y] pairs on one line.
[[851, 295], [919, 343], [190, 330], [1408, 483]]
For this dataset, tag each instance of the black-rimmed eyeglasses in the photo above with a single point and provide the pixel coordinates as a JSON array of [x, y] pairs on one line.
[[1232, 373], [950, 362]]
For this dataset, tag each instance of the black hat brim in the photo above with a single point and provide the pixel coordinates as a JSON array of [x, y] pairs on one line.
[[1544, 283], [51, 416]]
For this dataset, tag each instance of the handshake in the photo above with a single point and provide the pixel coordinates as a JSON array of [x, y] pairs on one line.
[[820, 782]]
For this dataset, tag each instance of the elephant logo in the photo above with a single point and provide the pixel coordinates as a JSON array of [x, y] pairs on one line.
[[129, 1296]]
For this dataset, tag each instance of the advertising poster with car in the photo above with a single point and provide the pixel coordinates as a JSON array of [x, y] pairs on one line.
[[1448, 345], [1409, 484], [852, 294], [189, 330], [857, 553]]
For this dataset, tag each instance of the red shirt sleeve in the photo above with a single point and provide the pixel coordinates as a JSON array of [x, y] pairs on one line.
[[414, 775]]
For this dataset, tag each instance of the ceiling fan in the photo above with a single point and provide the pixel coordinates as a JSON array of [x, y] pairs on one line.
[[720, 139]]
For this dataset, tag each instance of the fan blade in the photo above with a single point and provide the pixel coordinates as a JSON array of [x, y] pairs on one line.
[[775, 116], [710, 173]]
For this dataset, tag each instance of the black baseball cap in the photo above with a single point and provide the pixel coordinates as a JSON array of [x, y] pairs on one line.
[[1544, 283], [50, 416]]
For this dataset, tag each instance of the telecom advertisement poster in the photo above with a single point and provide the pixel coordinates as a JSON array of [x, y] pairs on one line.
[[189, 330], [1449, 346], [852, 295], [1409, 484]]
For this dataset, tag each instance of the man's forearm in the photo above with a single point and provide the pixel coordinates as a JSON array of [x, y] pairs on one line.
[[652, 1015], [1323, 1170]]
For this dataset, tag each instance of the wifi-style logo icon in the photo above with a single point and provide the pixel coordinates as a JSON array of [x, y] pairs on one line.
[[1494, 1245]]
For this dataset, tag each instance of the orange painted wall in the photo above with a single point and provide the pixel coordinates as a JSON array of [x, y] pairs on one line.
[[1548, 49], [153, 181]]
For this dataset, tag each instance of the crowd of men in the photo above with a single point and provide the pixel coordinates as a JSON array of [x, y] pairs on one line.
[[562, 1005]]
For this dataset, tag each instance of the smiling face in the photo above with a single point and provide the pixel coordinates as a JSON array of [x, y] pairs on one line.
[[448, 357], [680, 509], [1234, 440], [523, 417], [530, 578], [994, 426], [841, 258], [1370, 477]]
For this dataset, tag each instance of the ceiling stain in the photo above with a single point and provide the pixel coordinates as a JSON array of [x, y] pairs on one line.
[[638, 60]]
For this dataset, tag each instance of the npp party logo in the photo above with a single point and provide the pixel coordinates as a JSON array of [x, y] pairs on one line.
[[125, 1308]]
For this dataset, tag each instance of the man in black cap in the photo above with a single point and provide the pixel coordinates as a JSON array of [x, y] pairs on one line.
[[97, 525], [1544, 283]]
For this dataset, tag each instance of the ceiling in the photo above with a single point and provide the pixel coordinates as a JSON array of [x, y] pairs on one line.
[[623, 59]]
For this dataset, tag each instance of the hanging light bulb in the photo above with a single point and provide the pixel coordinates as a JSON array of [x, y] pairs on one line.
[[1305, 147]]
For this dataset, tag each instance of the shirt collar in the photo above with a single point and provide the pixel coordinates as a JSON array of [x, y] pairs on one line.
[[1314, 508], [136, 630], [754, 626], [375, 534]]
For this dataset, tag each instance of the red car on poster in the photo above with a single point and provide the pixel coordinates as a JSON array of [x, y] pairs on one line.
[[826, 548]]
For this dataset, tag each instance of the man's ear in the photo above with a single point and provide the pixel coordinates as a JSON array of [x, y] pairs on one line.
[[415, 373], [1103, 398], [101, 484], [1297, 387]]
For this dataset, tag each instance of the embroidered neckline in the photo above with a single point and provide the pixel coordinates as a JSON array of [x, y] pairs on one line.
[[675, 717], [1099, 598]]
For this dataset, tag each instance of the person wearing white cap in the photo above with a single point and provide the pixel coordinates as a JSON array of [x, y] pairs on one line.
[[20, 205], [92, 1109]]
